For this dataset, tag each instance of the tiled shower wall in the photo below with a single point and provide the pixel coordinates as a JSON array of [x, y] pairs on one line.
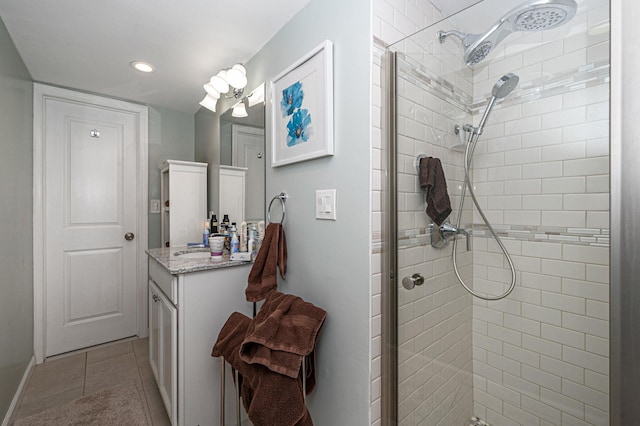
[[435, 357], [541, 174]]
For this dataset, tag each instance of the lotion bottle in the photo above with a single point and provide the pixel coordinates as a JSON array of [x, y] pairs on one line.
[[234, 241], [205, 235], [252, 241]]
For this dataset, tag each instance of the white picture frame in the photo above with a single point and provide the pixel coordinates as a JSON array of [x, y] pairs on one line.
[[302, 108]]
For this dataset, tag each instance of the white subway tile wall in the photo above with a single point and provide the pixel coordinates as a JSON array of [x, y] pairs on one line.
[[552, 181], [539, 357]]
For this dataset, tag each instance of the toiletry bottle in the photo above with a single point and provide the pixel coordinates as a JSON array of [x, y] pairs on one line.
[[252, 241], [234, 240], [214, 224], [259, 235], [211, 222], [225, 222], [243, 236], [205, 235]]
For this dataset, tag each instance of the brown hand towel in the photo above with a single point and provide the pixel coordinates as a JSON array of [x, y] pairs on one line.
[[283, 332], [432, 180], [263, 277], [269, 398]]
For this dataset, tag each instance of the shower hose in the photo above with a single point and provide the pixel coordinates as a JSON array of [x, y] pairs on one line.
[[468, 156]]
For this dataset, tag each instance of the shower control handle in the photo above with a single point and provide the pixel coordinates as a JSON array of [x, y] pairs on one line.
[[412, 281], [441, 235], [449, 231]]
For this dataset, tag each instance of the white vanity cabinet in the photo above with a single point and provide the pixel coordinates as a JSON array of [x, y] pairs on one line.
[[183, 192], [185, 317]]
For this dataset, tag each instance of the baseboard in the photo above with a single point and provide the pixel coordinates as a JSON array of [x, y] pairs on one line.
[[18, 396]]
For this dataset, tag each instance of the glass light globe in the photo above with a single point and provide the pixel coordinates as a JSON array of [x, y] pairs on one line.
[[236, 78], [209, 103], [211, 91], [239, 110], [240, 68], [219, 82]]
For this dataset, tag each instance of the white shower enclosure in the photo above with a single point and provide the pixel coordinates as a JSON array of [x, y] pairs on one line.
[[540, 172]]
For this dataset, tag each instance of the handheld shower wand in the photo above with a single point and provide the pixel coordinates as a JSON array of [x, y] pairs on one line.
[[501, 88]]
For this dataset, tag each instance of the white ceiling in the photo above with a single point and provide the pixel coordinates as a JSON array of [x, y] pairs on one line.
[[449, 7], [89, 44]]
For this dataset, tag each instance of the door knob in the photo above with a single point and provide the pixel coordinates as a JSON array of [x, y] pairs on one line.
[[129, 236], [412, 281]]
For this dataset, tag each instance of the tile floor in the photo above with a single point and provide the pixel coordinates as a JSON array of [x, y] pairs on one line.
[[68, 377]]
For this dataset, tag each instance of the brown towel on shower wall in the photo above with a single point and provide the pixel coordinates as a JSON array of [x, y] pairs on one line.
[[263, 277], [269, 398], [432, 180], [283, 332]]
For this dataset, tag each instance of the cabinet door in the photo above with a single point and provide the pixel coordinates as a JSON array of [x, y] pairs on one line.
[[163, 321], [232, 190], [154, 330]]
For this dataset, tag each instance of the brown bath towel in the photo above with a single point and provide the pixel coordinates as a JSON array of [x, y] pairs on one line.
[[283, 332], [263, 277], [432, 180], [269, 398]]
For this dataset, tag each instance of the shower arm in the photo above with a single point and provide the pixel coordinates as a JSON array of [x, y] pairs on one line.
[[442, 35]]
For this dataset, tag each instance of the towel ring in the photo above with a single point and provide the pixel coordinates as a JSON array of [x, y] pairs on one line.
[[282, 197]]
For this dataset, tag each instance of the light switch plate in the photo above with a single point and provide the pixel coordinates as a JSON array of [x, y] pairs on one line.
[[326, 204], [155, 206]]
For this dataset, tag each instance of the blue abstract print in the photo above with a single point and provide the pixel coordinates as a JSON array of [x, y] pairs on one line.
[[298, 127]]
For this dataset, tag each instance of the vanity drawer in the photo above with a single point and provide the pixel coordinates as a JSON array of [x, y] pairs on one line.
[[164, 280]]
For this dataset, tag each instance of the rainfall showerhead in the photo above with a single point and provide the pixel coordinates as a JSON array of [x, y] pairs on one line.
[[532, 15]]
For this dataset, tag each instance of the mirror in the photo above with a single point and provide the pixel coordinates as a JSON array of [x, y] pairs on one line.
[[242, 157]]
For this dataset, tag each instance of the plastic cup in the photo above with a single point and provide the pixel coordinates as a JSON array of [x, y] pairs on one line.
[[216, 244]]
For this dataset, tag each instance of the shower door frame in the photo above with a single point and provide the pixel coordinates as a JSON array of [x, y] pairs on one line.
[[390, 247], [625, 222]]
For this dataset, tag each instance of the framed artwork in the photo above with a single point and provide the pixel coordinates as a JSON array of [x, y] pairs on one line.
[[302, 108]]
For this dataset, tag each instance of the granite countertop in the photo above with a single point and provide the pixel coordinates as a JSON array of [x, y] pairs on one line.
[[179, 260]]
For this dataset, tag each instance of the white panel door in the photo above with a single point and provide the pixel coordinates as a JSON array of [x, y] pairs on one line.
[[248, 151], [90, 204]]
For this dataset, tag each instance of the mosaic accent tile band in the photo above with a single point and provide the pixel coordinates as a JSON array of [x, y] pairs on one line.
[[598, 237]]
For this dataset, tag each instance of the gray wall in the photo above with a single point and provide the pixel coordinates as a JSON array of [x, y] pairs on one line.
[[16, 223], [329, 262], [171, 137]]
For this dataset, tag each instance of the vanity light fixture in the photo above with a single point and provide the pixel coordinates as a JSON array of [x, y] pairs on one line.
[[233, 79], [143, 66]]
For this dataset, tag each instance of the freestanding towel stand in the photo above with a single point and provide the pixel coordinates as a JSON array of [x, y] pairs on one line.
[[238, 390], [282, 197]]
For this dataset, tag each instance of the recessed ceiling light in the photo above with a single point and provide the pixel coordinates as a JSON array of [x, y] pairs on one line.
[[143, 66]]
